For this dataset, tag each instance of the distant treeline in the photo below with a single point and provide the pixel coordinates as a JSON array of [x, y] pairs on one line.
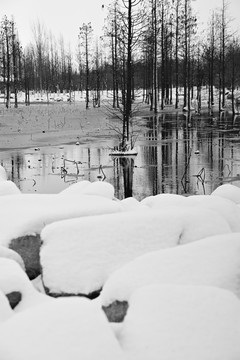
[[154, 45]]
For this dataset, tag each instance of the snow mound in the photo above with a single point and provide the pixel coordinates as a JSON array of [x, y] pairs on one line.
[[224, 207], [14, 279], [163, 200], [171, 322], [131, 204], [213, 261], [91, 248], [5, 310], [31, 212], [3, 174], [11, 254], [69, 328], [228, 191], [8, 188], [100, 188], [75, 188]]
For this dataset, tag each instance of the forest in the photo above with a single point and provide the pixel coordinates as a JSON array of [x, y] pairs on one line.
[[155, 46]]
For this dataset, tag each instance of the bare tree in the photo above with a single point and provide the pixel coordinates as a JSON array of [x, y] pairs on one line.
[[85, 38]]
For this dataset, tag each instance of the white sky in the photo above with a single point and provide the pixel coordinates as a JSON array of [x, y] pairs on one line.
[[65, 17], [61, 17]]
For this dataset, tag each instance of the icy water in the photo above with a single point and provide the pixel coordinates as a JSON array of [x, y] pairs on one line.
[[176, 154]]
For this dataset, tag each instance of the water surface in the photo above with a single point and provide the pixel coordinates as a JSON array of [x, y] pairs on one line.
[[176, 154]]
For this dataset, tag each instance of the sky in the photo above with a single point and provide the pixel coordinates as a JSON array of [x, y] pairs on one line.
[[65, 18]]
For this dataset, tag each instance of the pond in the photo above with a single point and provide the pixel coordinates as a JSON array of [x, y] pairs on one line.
[[176, 154]]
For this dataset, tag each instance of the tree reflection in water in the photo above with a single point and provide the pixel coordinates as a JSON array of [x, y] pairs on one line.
[[127, 165], [177, 153]]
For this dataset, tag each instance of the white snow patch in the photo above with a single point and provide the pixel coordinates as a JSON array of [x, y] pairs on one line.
[[224, 207], [11, 254], [31, 212], [13, 278], [3, 174], [91, 248], [76, 188], [172, 322], [228, 191], [213, 261], [68, 328], [99, 188], [8, 188], [5, 310], [131, 204]]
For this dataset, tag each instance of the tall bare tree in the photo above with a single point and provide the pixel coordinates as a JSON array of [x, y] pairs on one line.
[[85, 41]]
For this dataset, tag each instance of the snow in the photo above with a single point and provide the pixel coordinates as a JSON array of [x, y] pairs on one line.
[[31, 212], [13, 278], [131, 204], [175, 260], [170, 322], [213, 261], [11, 254], [3, 174], [8, 188], [5, 310], [99, 188], [224, 207], [91, 248], [130, 152], [228, 191], [70, 328]]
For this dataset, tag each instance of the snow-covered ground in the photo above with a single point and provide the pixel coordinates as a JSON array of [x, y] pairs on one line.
[[173, 260]]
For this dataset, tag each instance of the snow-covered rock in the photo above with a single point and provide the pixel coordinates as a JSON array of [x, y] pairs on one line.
[[213, 261], [5, 310], [8, 188], [91, 248], [99, 188], [171, 322], [31, 212], [75, 188], [224, 207], [70, 328], [163, 200], [228, 191], [131, 204], [3, 174], [15, 284], [11, 254]]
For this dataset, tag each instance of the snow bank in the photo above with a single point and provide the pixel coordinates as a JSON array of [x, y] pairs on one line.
[[99, 188], [5, 310], [213, 261], [78, 255], [172, 322], [14, 279], [76, 188], [69, 328], [3, 174], [131, 204], [228, 191], [11, 254], [31, 212], [224, 207], [8, 188]]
